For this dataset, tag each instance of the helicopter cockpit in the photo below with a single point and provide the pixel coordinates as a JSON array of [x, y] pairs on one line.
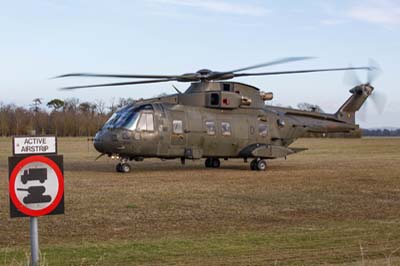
[[132, 118]]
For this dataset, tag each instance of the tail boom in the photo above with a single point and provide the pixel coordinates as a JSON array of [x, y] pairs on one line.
[[347, 111]]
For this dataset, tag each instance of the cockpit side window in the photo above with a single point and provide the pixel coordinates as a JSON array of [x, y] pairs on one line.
[[111, 120], [177, 126], [131, 120], [146, 122], [150, 122], [142, 123], [128, 118]]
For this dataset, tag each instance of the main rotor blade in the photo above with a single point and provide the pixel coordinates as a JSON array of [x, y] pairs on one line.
[[117, 84], [298, 71], [115, 76], [275, 62]]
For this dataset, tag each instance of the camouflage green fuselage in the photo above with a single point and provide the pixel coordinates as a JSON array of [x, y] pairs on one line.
[[214, 120]]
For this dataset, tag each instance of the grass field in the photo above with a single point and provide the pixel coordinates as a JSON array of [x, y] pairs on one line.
[[336, 204]]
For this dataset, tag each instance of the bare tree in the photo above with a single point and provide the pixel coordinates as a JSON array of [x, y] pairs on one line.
[[36, 103], [310, 107]]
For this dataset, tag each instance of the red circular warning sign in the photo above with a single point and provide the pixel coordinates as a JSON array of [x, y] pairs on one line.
[[36, 186]]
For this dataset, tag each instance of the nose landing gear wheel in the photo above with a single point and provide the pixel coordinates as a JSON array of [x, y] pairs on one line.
[[118, 168], [123, 168]]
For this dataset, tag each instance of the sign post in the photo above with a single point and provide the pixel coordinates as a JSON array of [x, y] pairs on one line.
[[34, 241], [36, 183]]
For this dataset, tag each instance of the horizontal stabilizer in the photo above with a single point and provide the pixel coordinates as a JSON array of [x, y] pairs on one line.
[[268, 151]]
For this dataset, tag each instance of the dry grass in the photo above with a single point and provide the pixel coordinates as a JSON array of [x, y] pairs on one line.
[[317, 207]]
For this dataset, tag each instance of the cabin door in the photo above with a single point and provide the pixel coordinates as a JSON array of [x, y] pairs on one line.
[[147, 133], [178, 132], [241, 131], [226, 144]]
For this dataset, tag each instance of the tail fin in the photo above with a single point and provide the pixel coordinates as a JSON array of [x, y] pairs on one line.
[[347, 111]]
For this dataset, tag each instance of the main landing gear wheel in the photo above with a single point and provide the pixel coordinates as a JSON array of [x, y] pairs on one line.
[[123, 168], [258, 164], [253, 165], [215, 163], [212, 163]]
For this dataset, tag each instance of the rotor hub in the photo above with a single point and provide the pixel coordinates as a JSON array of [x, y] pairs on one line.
[[367, 88], [363, 88], [204, 72]]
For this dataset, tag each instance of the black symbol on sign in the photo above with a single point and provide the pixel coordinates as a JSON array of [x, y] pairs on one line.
[[35, 192], [35, 195], [39, 174]]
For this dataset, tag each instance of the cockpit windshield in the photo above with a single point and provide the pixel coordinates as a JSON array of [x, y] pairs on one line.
[[126, 117]]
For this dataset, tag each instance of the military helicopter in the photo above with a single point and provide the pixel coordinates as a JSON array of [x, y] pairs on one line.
[[216, 119]]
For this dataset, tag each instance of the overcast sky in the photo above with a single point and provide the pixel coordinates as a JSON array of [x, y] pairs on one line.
[[42, 39]]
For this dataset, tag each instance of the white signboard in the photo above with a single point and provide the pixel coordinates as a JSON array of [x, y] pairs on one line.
[[35, 145]]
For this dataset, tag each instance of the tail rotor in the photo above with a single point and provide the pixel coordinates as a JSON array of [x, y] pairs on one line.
[[378, 98]]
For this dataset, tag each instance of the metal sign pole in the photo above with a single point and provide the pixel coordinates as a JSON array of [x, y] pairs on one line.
[[34, 242]]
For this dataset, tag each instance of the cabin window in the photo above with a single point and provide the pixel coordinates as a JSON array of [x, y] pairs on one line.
[[177, 126], [226, 87], [281, 123], [263, 130], [210, 126], [214, 99], [146, 122], [226, 128]]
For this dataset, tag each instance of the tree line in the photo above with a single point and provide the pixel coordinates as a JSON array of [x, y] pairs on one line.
[[381, 132], [72, 118], [64, 118]]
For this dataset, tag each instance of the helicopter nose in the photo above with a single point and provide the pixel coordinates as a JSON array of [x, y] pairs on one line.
[[108, 142], [99, 142]]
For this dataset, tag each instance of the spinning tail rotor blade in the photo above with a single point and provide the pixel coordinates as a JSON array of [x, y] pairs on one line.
[[351, 78], [379, 99], [374, 72], [362, 113]]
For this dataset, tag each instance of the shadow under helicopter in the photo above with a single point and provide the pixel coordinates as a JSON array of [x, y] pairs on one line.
[[154, 166]]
